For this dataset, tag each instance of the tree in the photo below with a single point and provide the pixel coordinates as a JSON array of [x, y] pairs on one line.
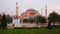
[[49, 25], [9, 19], [3, 21], [36, 19], [0, 18], [41, 20], [53, 17], [59, 19], [25, 20], [31, 20]]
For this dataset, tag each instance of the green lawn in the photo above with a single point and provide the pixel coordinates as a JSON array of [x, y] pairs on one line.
[[30, 31]]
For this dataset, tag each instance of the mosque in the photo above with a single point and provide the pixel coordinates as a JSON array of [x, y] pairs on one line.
[[29, 13]]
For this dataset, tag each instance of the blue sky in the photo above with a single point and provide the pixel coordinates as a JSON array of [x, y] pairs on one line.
[[8, 6]]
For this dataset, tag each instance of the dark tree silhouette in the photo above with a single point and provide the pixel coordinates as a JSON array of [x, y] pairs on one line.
[[53, 17], [0, 18], [3, 21], [49, 25], [59, 19], [25, 20], [31, 20], [41, 19], [9, 19]]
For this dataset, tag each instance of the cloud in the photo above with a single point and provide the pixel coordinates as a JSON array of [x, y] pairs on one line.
[[54, 7]]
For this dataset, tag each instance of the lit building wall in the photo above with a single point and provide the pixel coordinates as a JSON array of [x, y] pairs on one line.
[[29, 13]]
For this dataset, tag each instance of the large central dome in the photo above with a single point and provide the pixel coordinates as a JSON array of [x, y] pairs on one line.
[[30, 9], [29, 13]]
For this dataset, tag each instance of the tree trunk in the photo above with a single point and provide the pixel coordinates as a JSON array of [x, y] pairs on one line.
[[53, 23]]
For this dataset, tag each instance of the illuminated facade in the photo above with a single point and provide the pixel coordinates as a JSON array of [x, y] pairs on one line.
[[30, 13]]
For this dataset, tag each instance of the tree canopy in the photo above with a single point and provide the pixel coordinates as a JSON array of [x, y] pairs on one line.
[[3, 21], [53, 17], [41, 19], [31, 20], [25, 20], [9, 19]]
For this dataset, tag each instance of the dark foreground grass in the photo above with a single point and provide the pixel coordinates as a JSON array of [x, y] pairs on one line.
[[31, 31]]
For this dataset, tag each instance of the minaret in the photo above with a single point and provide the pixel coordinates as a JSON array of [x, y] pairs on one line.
[[41, 11], [16, 8], [46, 14], [46, 11]]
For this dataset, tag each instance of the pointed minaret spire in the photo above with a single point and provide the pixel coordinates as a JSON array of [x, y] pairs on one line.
[[16, 8]]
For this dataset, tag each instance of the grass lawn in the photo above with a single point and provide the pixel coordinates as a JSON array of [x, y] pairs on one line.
[[31, 31]]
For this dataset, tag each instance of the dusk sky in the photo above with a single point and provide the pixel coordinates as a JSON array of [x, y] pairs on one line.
[[9, 6]]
